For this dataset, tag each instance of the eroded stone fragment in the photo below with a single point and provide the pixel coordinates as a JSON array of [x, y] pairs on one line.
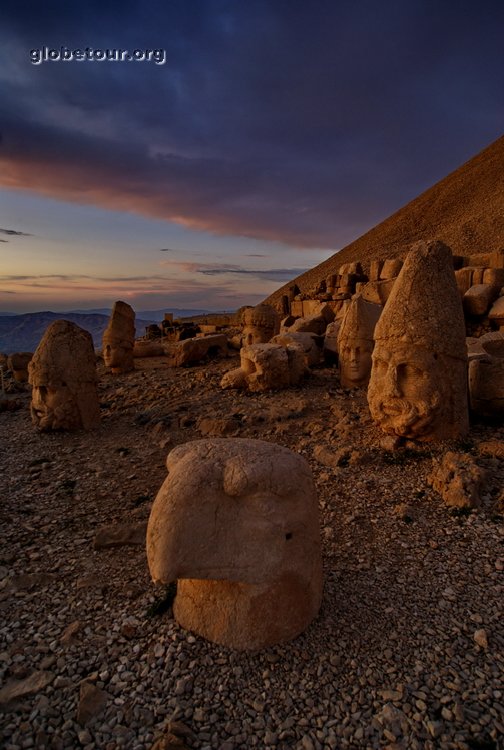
[[418, 384], [267, 367], [236, 521], [355, 342], [63, 375], [458, 479], [119, 338]]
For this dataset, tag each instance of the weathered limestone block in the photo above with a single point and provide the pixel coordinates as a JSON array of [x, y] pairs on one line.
[[458, 479], [260, 324], [376, 292], [494, 276], [486, 375], [310, 344], [496, 259], [375, 270], [193, 350], [267, 367], [316, 324], [479, 298], [463, 279], [355, 342], [119, 338], [63, 375], [144, 348], [354, 269], [418, 384], [391, 269], [236, 522], [496, 313], [18, 364]]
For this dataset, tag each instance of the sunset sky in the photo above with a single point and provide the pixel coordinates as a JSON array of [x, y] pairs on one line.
[[275, 132]]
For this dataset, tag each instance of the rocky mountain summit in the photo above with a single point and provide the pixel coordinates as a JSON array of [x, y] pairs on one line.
[[407, 649], [465, 210]]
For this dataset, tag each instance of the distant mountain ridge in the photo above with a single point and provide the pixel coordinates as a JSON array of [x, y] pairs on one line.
[[22, 333], [465, 210]]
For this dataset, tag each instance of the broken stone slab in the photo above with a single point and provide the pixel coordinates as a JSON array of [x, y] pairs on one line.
[[19, 688], [92, 701], [120, 534]]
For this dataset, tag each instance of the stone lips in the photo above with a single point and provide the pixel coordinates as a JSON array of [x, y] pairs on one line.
[[238, 519]]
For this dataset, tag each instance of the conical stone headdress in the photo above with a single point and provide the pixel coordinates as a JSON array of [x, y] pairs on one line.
[[424, 308], [359, 321]]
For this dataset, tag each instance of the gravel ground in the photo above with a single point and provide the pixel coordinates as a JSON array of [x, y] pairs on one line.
[[407, 651]]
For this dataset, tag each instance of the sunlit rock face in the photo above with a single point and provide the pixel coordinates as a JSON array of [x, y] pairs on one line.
[[355, 342], [119, 338], [260, 324], [418, 383], [63, 375], [236, 522], [267, 367]]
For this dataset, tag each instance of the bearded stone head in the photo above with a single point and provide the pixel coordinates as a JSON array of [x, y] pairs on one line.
[[418, 383]]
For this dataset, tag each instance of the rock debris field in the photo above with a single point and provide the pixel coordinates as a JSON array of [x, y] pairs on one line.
[[407, 651]]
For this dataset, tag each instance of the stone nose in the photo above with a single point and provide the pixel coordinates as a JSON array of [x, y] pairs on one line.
[[391, 386]]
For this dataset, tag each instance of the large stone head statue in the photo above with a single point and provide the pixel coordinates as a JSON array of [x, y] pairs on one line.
[[236, 521], [418, 384], [355, 342], [63, 375], [119, 338], [260, 324]]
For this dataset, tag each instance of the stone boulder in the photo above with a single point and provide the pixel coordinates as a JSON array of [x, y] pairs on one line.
[[478, 299], [236, 523], [496, 313], [143, 348], [191, 351], [458, 479]]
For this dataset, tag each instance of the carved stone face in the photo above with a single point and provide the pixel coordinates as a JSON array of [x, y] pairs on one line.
[[116, 356], [355, 362], [406, 393], [54, 409]]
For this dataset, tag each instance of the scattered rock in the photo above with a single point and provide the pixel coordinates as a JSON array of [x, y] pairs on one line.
[[92, 701], [32, 684], [119, 535]]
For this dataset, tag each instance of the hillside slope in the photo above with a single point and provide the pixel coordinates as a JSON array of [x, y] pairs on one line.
[[465, 210]]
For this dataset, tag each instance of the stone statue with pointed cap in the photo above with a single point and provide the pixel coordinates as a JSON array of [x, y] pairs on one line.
[[119, 338], [63, 375], [418, 384], [236, 522], [355, 342]]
